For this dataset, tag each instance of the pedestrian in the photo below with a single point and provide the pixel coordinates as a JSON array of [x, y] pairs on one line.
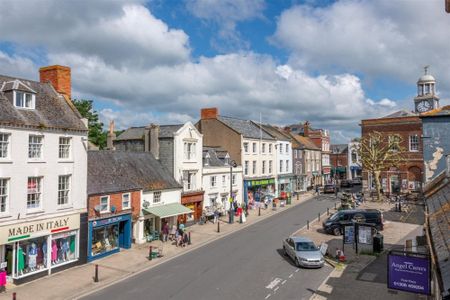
[[216, 216], [317, 190], [165, 231], [336, 189]]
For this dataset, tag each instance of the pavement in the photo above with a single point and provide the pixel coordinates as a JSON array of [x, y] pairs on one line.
[[78, 281], [365, 276]]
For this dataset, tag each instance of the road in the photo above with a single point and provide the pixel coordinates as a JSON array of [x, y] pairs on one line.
[[247, 264]]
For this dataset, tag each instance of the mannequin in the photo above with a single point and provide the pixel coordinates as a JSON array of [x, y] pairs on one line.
[[20, 260], [65, 249], [54, 252], [44, 253], [32, 254]]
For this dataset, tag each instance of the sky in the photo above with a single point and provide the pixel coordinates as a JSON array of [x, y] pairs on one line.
[[332, 63]]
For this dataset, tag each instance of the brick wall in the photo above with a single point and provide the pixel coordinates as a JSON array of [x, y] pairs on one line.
[[59, 77], [115, 199]]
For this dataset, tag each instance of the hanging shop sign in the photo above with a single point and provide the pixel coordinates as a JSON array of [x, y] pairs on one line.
[[38, 228], [409, 272]]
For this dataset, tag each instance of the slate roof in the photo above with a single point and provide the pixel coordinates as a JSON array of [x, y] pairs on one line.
[[116, 171], [216, 156], [399, 114], [439, 222], [275, 132], [338, 148], [245, 127], [137, 133], [307, 143], [167, 131], [51, 110]]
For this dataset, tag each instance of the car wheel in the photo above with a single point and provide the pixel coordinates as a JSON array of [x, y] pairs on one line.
[[297, 263], [336, 231]]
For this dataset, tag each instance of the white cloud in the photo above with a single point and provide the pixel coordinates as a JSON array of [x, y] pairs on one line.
[[381, 39]]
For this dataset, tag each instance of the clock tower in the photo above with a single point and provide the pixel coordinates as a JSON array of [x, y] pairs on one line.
[[426, 98]]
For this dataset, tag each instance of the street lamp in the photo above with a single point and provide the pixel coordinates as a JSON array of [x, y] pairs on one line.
[[233, 164]]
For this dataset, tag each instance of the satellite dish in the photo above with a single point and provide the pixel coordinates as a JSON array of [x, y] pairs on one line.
[[145, 204]]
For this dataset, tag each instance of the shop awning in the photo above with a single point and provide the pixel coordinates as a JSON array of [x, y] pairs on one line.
[[168, 210]]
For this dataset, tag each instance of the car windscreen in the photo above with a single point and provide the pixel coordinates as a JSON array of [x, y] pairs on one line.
[[306, 246]]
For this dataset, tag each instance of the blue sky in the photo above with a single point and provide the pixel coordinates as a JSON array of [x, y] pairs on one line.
[[330, 62]]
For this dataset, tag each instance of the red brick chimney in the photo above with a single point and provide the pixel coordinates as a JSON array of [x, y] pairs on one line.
[[58, 76], [209, 113], [306, 129]]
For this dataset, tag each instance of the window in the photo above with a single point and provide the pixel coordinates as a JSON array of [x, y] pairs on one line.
[[3, 195], [126, 203], [287, 165], [354, 157], [157, 197], [34, 192], [263, 150], [281, 166], [213, 181], [295, 153], [224, 180], [394, 142], [246, 167], [299, 153], [270, 167], [254, 167], [64, 147], [24, 100], [4, 145], [281, 148], [35, 146], [104, 204], [270, 148], [254, 147], [263, 167], [414, 143], [189, 180], [246, 147], [63, 189], [233, 179], [287, 148], [189, 150]]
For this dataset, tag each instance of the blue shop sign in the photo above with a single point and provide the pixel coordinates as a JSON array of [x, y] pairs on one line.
[[116, 219]]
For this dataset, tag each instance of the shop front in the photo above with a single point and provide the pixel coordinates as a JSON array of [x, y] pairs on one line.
[[326, 173], [284, 185], [194, 202], [39, 246], [108, 235], [254, 190]]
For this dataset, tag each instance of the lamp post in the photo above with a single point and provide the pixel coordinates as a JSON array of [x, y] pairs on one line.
[[233, 164]]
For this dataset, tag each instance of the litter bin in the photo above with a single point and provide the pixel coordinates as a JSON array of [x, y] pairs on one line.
[[289, 201], [378, 243]]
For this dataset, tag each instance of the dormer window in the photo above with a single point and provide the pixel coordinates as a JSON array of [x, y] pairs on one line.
[[24, 100]]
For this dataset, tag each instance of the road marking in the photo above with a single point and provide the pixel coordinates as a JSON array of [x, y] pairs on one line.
[[284, 282], [276, 289], [297, 270], [268, 295], [290, 276], [273, 283]]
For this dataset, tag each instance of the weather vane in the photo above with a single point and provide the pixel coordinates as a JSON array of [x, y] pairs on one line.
[[426, 69]]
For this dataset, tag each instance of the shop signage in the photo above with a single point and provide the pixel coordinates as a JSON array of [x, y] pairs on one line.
[[349, 234], [364, 235], [38, 228], [409, 273], [260, 182], [103, 222]]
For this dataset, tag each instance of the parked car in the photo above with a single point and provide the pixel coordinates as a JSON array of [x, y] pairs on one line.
[[346, 183], [329, 188], [371, 216], [357, 181], [303, 252]]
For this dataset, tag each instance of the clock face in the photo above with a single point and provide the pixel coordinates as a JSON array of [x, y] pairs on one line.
[[423, 106]]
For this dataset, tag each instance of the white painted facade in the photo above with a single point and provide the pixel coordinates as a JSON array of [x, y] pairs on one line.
[[258, 158], [188, 164], [353, 159], [284, 157], [218, 189]]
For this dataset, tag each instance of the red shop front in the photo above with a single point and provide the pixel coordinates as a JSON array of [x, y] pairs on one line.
[[193, 201]]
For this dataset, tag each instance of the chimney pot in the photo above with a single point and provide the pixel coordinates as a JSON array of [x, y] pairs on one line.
[[209, 113], [59, 77]]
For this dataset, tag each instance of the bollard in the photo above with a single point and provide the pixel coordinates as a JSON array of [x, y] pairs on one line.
[[240, 218], [14, 295], [334, 206], [328, 211], [150, 252], [307, 224], [189, 238], [318, 217], [259, 210], [95, 276], [218, 226], [400, 207], [298, 196]]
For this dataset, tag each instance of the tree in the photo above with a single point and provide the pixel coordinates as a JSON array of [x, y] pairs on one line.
[[379, 152], [96, 134]]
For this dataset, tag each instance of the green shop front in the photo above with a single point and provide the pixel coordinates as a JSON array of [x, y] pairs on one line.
[[30, 249], [285, 186], [255, 189]]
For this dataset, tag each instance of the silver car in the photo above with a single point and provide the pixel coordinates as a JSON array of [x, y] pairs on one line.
[[303, 252]]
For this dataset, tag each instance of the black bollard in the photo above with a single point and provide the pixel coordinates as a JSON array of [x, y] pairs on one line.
[[14, 295], [328, 211], [95, 276], [218, 226], [318, 217], [307, 224], [259, 211], [399, 207], [150, 250], [240, 218], [334, 206], [189, 238]]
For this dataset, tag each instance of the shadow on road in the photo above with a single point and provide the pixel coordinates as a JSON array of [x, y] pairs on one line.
[[287, 258]]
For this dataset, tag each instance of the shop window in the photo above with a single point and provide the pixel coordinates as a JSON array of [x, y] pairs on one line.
[[35, 146], [157, 197], [104, 204], [31, 256], [34, 192], [4, 195], [63, 248], [63, 189], [105, 239], [126, 203], [4, 145], [64, 147]]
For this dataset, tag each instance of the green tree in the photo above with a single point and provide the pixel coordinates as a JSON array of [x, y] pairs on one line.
[[96, 135], [378, 153]]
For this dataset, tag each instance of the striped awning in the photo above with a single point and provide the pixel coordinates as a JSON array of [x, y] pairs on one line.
[[167, 210]]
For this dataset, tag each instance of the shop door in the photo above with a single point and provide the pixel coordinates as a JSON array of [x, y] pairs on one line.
[[395, 184], [122, 234]]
